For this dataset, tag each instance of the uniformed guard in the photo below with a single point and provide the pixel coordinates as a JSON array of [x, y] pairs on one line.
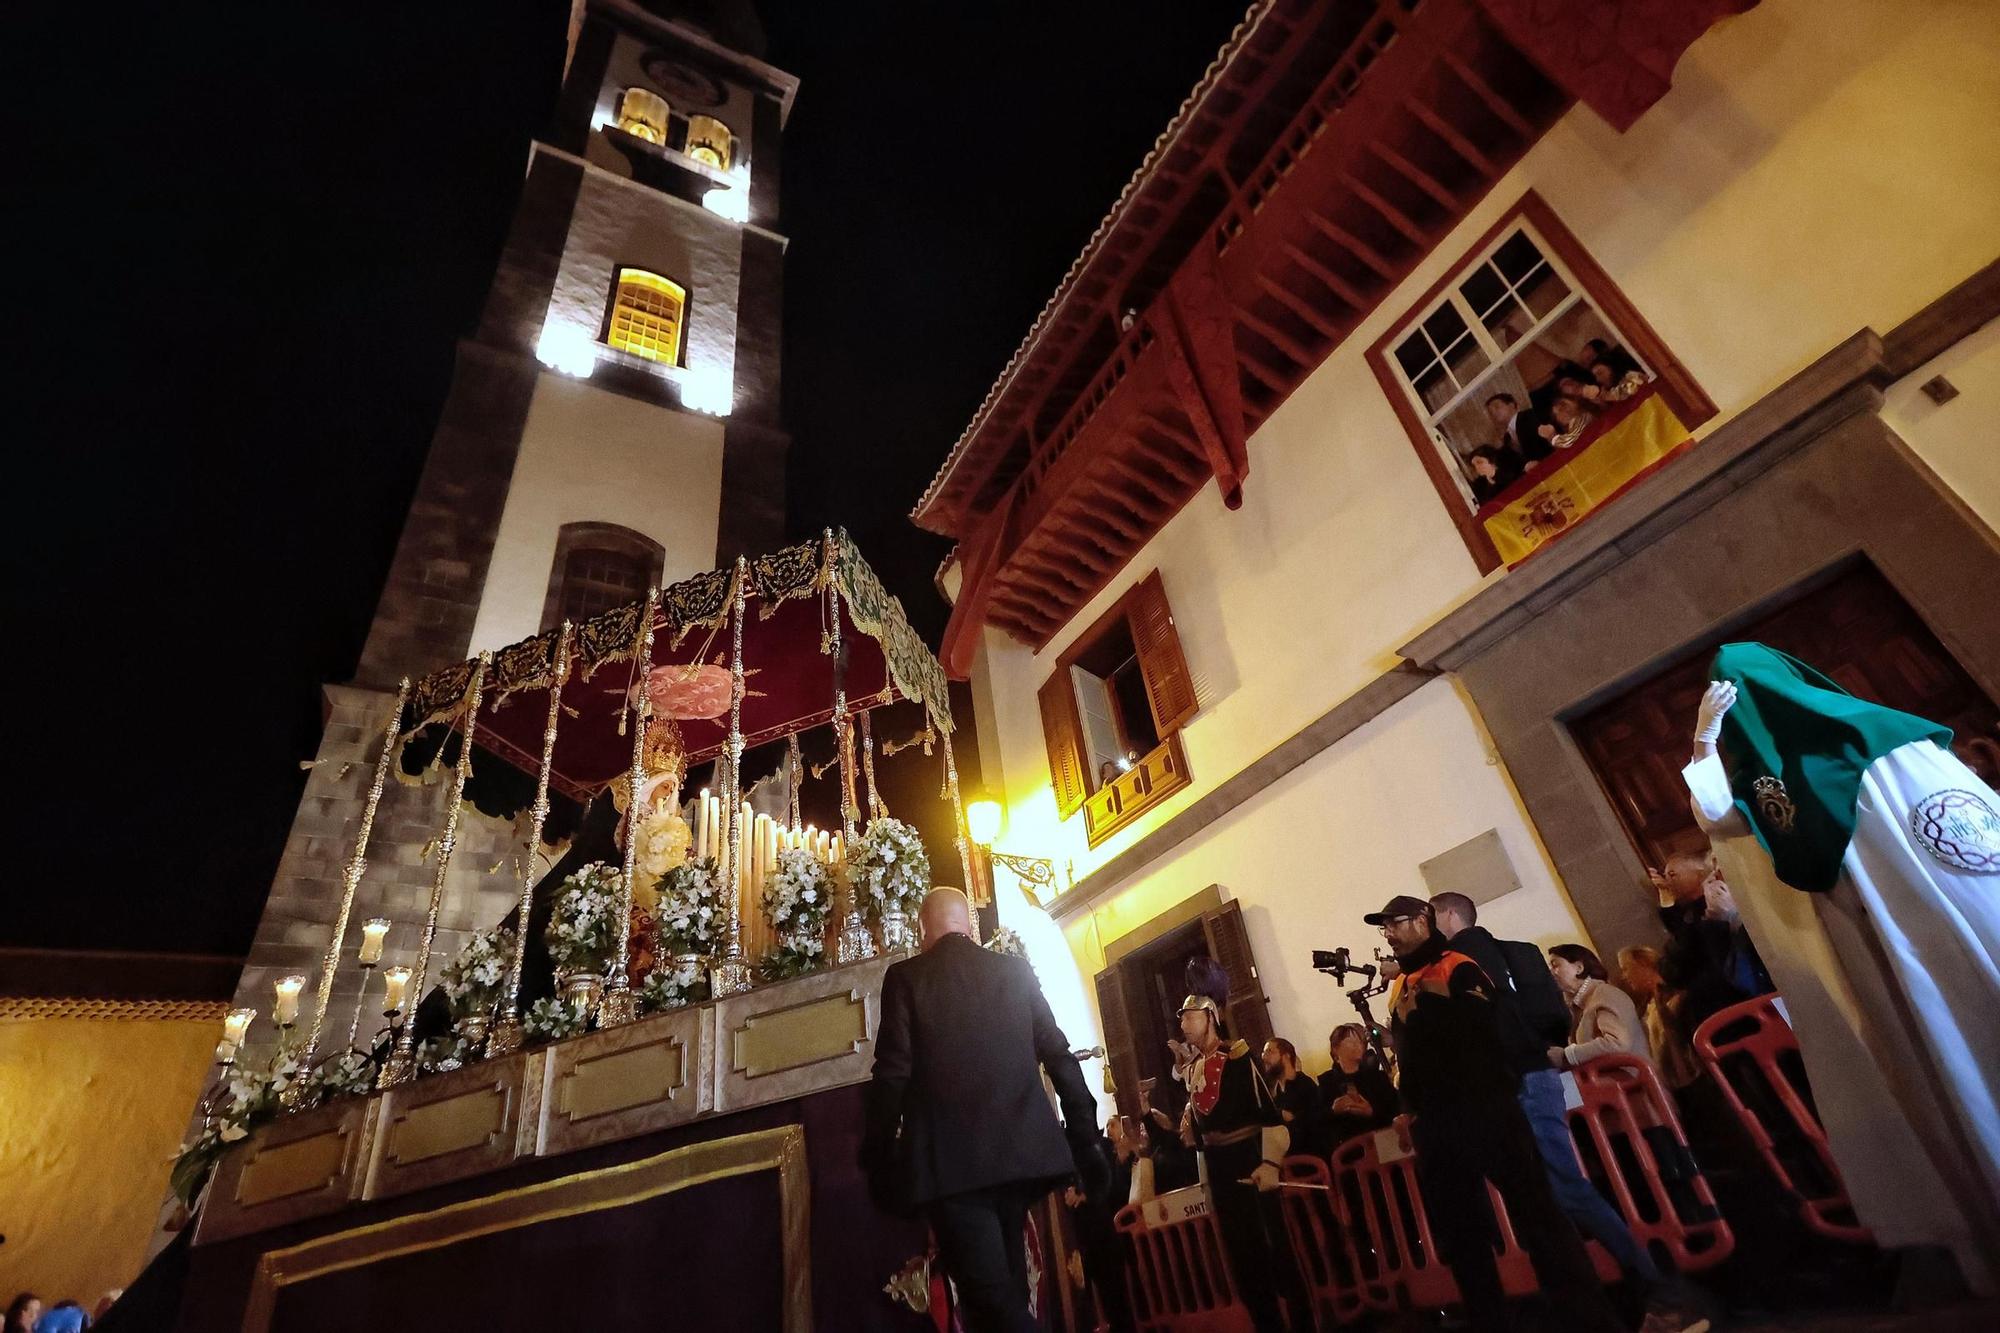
[[1234, 1125]]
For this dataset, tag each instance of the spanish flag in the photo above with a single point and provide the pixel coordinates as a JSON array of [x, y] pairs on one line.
[[1623, 445]]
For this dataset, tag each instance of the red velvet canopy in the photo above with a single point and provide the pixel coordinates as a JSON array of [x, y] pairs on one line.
[[789, 667]]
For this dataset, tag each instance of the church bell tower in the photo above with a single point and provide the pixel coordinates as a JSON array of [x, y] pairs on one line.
[[612, 423]]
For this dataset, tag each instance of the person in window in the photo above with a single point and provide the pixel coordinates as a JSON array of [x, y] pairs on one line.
[[1584, 390], [1569, 419], [1613, 387], [1519, 434], [1493, 471], [1356, 1093], [1600, 351]]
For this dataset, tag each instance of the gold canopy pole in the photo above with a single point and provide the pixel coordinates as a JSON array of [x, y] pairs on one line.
[[357, 865], [507, 1032], [732, 974], [402, 1064], [958, 830], [876, 809], [620, 1005], [855, 942]]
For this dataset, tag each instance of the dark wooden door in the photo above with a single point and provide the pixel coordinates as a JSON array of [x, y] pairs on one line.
[[1856, 629]]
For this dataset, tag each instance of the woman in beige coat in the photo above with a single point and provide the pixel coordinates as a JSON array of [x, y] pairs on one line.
[[1606, 1018]]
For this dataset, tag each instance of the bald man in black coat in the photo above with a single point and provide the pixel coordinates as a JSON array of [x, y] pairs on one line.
[[958, 1121]]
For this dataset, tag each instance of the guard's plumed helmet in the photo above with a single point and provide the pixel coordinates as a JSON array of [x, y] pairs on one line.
[[1202, 1002]]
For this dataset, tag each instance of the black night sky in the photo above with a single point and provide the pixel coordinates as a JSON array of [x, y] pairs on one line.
[[250, 248]]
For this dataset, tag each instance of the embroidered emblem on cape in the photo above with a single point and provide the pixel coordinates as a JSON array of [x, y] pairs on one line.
[[1774, 803], [1960, 828]]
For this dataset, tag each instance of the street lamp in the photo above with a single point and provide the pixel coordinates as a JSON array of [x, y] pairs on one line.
[[982, 821]]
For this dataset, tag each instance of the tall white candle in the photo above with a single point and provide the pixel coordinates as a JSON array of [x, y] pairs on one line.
[[285, 1011], [395, 989], [373, 932], [701, 825]]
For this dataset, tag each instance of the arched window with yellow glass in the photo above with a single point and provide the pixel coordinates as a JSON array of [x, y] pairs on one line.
[[647, 315]]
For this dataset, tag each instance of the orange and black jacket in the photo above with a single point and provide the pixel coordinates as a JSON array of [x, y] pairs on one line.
[[1449, 1047]]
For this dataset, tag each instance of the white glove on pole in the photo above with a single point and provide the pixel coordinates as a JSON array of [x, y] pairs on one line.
[[1719, 698]]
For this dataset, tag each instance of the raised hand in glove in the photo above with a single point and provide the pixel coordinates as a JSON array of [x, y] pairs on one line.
[[1717, 700]]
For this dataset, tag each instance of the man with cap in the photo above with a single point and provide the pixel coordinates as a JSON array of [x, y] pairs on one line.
[[1234, 1125], [1469, 1129]]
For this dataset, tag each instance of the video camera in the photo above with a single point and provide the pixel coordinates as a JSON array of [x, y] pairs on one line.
[[1339, 962]]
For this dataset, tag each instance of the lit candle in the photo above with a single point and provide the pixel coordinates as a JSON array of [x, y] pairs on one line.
[[837, 852], [701, 826], [395, 988], [285, 1011], [746, 849], [235, 1027], [373, 932], [717, 849]]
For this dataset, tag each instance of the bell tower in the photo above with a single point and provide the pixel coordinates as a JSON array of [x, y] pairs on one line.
[[611, 423]]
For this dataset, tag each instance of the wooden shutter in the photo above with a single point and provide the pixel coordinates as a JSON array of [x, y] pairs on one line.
[[1169, 687], [1229, 944], [1062, 731], [1121, 1051]]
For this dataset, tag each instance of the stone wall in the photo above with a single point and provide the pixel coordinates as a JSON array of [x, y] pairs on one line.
[[298, 917]]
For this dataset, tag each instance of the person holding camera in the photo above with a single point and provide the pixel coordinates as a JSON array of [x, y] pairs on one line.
[[1469, 1129], [964, 1038]]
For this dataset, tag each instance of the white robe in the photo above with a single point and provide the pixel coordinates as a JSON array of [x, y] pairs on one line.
[[1892, 984]]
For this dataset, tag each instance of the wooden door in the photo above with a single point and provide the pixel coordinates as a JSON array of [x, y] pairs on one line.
[[1856, 629]]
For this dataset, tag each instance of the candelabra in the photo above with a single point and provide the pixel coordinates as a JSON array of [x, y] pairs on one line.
[[235, 1029]]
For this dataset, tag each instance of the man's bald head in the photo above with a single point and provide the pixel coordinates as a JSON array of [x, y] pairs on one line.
[[945, 912]]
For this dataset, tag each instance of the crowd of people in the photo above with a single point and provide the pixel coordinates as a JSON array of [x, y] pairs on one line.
[[1553, 419], [1482, 1029]]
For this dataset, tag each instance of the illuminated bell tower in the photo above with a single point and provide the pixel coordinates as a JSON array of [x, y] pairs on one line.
[[612, 422]]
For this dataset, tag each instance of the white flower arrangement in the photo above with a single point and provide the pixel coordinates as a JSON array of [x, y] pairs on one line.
[[585, 920], [797, 899], [442, 1054], [673, 983], [249, 1100], [348, 1074], [1007, 941], [552, 1018], [887, 863], [472, 980], [690, 908]]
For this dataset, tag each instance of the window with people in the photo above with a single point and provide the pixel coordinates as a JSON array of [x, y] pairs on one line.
[[1521, 357]]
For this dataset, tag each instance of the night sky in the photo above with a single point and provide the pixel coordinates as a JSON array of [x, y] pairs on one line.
[[249, 251]]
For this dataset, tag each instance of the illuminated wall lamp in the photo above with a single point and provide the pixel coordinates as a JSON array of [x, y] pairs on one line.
[[983, 818]]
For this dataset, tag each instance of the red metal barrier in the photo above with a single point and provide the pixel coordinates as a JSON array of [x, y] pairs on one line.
[[1321, 1243], [1632, 1147], [1752, 1053], [1179, 1277]]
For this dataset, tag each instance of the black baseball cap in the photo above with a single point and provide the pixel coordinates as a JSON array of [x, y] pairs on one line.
[[1400, 905]]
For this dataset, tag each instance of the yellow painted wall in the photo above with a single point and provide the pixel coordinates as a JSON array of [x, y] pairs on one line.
[[1819, 167], [91, 1113]]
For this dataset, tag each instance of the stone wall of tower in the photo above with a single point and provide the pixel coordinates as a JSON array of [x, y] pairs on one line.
[[298, 917]]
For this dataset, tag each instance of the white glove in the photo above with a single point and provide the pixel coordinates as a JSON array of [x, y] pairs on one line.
[[1717, 700], [1265, 1177]]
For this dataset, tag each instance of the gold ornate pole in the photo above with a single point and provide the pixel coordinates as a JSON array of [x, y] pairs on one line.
[[855, 942], [732, 974], [357, 865], [876, 809], [402, 1064], [958, 830], [507, 1032], [620, 1005]]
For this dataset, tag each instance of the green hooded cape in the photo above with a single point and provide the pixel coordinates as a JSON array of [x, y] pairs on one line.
[[1796, 745]]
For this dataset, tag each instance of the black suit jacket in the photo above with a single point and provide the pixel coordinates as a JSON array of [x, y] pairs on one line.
[[956, 1102]]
